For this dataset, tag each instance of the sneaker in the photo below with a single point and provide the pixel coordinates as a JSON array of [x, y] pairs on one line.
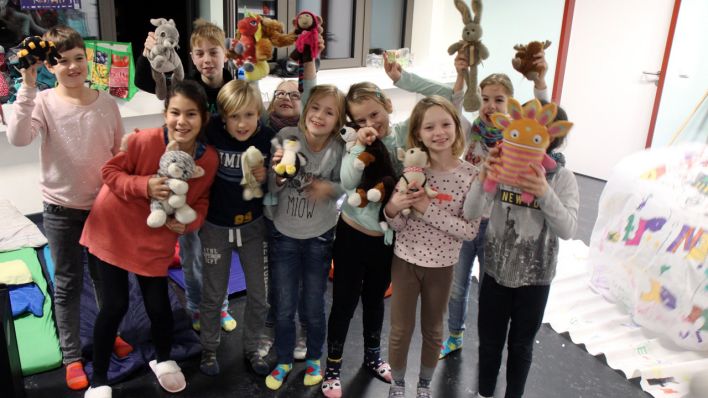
[[208, 364], [258, 364], [424, 392], [451, 344], [265, 345], [300, 351], [396, 391], [277, 377], [75, 376], [228, 323]]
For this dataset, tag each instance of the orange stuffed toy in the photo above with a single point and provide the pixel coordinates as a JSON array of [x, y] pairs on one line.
[[257, 36], [526, 55]]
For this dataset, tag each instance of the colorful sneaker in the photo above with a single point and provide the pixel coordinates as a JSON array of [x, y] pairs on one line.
[[121, 347], [75, 376], [276, 378], [228, 323], [313, 373], [450, 345]]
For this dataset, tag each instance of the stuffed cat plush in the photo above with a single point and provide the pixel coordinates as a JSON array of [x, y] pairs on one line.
[[527, 133], [179, 167]]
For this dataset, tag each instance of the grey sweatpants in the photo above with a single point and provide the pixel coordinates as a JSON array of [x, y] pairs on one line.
[[250, 242]]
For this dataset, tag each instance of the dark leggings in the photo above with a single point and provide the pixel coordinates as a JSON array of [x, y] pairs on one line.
[[115, 305], [362, 268]]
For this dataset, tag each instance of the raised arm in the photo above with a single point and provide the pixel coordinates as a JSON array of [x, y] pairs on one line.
[[27, 121]]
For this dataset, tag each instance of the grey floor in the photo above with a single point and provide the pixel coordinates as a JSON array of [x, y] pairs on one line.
[[560, 368]]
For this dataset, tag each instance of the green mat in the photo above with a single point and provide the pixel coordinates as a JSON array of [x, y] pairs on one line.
[[36, 337]]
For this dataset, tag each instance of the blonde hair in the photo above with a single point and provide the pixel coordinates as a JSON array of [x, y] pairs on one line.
[[500, 79], [271, 104], [416, 120], [321, 91], [207, 31], [361, 92], [235, 95], [64, 38]]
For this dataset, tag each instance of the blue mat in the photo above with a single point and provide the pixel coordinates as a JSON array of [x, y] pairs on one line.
[[237, 281]]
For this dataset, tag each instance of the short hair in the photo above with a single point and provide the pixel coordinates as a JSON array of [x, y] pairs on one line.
[[360, 92], [207, 31], [64, 38], [321, 91], [235, 95], [195, 92], [271, 104], [416, 121], [500, 79]]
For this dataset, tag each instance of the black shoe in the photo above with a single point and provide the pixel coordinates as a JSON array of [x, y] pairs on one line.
[[258, 364]]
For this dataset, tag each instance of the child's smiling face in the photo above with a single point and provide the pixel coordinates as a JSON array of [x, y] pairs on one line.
[[494, 99]]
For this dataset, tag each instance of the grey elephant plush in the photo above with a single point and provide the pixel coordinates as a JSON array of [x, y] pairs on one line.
[[163, 55], [472, 48]]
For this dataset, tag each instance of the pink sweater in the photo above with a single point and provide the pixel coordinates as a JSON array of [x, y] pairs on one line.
[[435, 239], [76, 141]]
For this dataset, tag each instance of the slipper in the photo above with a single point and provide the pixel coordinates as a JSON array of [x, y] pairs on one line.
[[99, 392], [169, 375]]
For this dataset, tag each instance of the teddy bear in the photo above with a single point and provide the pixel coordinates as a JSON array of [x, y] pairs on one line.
[[291, 162], [257, 36], [415, 160], [251, 159], [179, 167], [527, 132], [307, 43], [163, 55], [378, 177], [471, 48], [34, 49], [525, 56]]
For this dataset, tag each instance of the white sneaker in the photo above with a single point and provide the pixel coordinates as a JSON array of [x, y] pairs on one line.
[[264, 346], [300, 351]]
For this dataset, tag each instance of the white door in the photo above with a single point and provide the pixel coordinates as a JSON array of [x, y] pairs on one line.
[[605, 92]]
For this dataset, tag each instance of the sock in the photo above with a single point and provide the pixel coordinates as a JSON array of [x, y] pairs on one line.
[[423, 383], [313, 372], [399, 383], [228, 323], [276, 378], [75, 376], [208, 365], [373, 362], [333, 368], [451, 344], [121, 348]]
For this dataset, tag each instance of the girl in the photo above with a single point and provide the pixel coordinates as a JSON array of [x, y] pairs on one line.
[[234, 223], [522, 247], [79, 129], [304, 221], [428, 243], [117, 234]]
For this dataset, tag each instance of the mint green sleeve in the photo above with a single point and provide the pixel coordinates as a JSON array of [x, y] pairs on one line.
[[350, 175], [416, 84], [307, 86]]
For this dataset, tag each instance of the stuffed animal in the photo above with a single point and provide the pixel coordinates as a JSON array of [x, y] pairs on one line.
[[415, 160], [34, 49], [378, 177], [307, 43], [472, 48], [292, 160], [250, 159], [526, 136], [179, 167], [257, 36], [525, 56], [163, 55]]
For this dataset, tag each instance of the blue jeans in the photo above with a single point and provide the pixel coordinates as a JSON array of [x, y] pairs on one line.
[[192, 260], [296, 261], [457, 306]]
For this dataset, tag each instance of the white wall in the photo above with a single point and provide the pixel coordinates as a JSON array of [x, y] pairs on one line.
[[686, 77]]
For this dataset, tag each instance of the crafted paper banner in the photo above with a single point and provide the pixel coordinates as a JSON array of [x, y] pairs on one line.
[[649, 247], [45, 4]]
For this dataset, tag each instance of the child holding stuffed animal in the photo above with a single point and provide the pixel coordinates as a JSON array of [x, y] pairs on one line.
[[117, 233], [522, 250], [304, 220], [428, 240], [80, 129], [235, 221]]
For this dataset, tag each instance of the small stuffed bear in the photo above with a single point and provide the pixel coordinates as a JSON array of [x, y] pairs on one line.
[[292, 160], [179, 167], [34, 49], [526, 55], [415, 160], [527, 133], [163, 55], [249, 160]]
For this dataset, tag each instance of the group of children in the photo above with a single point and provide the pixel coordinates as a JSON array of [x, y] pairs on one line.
[[287, 240]]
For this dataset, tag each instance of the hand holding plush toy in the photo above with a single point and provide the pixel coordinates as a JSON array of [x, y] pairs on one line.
[[307, 44], [472, 49], [415, 160], [525, 60], [257, 36], [33, 49], [163, 55]]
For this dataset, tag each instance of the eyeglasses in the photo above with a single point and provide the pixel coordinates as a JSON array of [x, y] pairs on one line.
[[293, 95]]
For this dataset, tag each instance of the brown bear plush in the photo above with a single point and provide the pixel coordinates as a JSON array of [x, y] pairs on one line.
[[525, 56]]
